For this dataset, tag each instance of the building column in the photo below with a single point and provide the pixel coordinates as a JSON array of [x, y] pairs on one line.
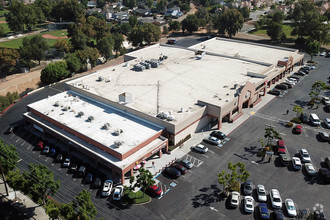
[[160, 153], [132, 172], [122, 178], [219, 124]]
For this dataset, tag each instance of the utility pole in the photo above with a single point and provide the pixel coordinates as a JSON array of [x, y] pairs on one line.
[[3, 175], [158, 97]]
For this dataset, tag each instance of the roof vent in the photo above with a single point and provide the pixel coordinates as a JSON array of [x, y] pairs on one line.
[[118, 132], [56, 104], [106, 126], [100, 79], [80, 114], [170, 118], [118, 143]]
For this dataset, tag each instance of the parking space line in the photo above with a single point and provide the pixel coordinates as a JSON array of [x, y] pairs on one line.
[[18, 139], [12, 136]]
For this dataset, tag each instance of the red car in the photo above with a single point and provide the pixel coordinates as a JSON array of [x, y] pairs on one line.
[[297, 129], [155, 191], [281, 149], [41, 145]]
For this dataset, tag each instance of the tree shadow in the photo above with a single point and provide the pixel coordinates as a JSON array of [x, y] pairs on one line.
[[301, 103], [207, 197], [15, 210]]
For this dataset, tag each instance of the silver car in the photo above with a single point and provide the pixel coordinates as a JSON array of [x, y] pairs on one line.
[[327, 122], [212, 140], [200, 148], [310, 169], [261, 192]]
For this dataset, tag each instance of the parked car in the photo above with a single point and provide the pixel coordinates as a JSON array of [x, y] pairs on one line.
[[89, 178], [305, 156], [66, 162], [40, 145], [325, 100], [235, 197], [275, 92], [218, 134], [212, 140], [297, 129], [248, 187], [275, 199], [325, 173], [310, 169], [46, 150], [154, 191], [59, 158], [281, 86], [296, 163], [289, 85], [324, 136], [248, 204], [278, 214], [73, 168], [97, 183], [171, 41], [304, 117], [323, 53], [118, 193], [261, 193], [107, 187], [281, 149], [187, 164], [200, 148], [319, 215], [290, 208], [10, 129], [52, 152], [81, 171], [179, 167], [294, 78], [174, 173], [285, 159], [314, 119], [327, 122], [300, 73], [291, 81], [263, 211]]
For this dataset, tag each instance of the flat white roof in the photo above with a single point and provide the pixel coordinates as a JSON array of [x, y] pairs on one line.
[[134, 130], [183, 80], [248, 50]]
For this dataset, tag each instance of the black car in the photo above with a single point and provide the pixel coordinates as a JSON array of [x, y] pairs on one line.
[[89, 178], [73, 168], [319, 215], [278, 214], [10, 129], [275, 92], [288, 84], [82, 171], [171, 171], [247, 187], [218, 134], [325, 173], [52, 152], [59, 158], [300, 73], [97, 183], [281, 86]]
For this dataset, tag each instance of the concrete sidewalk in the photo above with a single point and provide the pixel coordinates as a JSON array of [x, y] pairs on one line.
[[22, 203]]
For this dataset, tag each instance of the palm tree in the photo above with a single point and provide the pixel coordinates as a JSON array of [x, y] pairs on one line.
[[270, 134], [298, 109], [144, 179]]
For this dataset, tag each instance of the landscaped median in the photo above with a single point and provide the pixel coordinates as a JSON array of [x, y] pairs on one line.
[[131, 197]]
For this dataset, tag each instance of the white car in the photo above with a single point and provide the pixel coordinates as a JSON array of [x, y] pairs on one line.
[[290, 81], [275, 199], [290, 208], [261, 192], [107, 187], [118, 192], [310, 169], [305, 156], [248, 204], [296, 163], [234, 202], [327, 122], [200, 148], [323, 53], [212, 140]]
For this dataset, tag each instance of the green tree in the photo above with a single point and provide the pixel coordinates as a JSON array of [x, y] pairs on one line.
[[229, 22], [8, 157], [165, 30], [33, 49], [174, 26], [238, 173], [125, 28], [62, 45], [80, 208], [317, 87], [89, 54], [160, 6], [313, 47], [16, 180], [40, 182], [203, 15], [73, 62], [245, 12], [190, 23], [144, 180], [16, 16], [105, 46], [278, 16], [46, 7], [136, 36], [151, 33], [118, 41], [7, 100], [8, 60], [270, 134], [100, 3], [52, 210], [79, 40], [298, 110], [68, 10], [2, 31], [54, 72], [275, 31], [132, 20]]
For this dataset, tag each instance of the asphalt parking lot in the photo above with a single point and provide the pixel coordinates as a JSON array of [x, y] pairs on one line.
[[195, 195]]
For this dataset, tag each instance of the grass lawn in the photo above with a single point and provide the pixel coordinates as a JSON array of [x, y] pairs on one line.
[[16, 43], [2, 18], [286, 29], [135, 198], [6, 28], [3, 12], [58, 33]]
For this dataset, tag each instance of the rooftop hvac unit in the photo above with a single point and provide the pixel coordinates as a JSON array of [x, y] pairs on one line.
[[125, 64], [125, 97], [139, 67], [170, 118], [166, 115], [160, 115], [106, 126], [90, 118], [118, 143], [146, 65], [56, 104], [182, 110], [108, 80], [118, 132], [66, 108], [80, 114], [100, 79]]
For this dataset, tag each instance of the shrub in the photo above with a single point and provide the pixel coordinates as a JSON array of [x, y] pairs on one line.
[[296, 120], [289, 124], [170, 148]]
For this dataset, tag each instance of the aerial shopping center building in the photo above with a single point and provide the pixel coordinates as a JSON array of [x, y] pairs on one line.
[[127, 113]]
